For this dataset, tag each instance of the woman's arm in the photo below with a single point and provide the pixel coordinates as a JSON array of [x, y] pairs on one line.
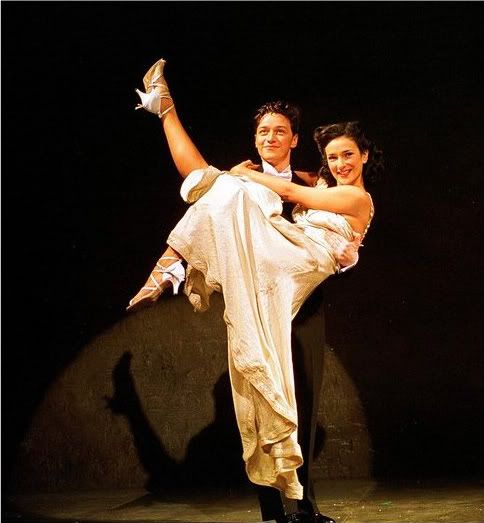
[[347, 200], [308, 177]]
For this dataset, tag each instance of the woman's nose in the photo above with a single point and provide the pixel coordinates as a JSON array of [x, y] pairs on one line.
[[340, 163]]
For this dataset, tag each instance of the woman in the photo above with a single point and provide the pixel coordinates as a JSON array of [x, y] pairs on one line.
[[236, 242]]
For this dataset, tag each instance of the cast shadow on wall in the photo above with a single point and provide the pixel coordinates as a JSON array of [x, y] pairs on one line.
[[148, 404], [213, 457]]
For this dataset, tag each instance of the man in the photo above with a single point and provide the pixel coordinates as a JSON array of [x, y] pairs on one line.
[[276, 135]]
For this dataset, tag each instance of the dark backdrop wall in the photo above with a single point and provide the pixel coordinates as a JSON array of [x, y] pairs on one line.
[[89, 190]]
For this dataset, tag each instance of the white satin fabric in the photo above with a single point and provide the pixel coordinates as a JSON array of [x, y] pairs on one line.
[[236, 242]]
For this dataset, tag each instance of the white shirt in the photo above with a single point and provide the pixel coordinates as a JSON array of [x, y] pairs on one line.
[[269, 169]]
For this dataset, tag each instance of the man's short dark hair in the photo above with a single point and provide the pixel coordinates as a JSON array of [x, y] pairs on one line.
[[290, 111]]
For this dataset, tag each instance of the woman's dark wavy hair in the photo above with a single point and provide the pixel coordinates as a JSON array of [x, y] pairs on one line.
[[374, 167]]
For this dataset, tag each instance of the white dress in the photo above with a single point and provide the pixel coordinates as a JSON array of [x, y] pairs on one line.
[[236, 242]]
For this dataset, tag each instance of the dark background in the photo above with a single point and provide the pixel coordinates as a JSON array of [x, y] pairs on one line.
[[89, 191]]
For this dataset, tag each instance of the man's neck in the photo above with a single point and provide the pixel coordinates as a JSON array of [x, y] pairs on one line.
[[283, 173], [279, 168]]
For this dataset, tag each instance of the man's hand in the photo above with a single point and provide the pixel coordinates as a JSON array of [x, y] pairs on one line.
[[244, 168], [308, 177], [347, 253]]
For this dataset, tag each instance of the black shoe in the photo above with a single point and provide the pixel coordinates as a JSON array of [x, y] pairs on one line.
[[299, 517], [304, 517], [320, 518]]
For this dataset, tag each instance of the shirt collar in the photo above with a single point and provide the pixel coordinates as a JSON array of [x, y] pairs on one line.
[[269, 169]]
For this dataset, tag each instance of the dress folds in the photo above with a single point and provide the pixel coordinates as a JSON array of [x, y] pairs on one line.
[[236, 242]]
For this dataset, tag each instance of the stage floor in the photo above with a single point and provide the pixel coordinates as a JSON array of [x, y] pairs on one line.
[[347, 501]]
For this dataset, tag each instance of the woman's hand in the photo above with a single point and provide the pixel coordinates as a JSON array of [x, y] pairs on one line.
[[245, 168]]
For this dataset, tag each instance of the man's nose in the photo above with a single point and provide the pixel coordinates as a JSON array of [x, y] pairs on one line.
[[270, 136]]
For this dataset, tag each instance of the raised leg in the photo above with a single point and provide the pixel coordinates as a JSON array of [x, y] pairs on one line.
[[185, 154], [159, 101]]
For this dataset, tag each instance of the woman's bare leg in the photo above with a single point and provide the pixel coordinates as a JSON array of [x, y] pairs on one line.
[[185, 154], [187, 158], [158, 100]]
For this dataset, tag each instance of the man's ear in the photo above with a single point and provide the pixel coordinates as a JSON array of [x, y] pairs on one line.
[[295, 138]]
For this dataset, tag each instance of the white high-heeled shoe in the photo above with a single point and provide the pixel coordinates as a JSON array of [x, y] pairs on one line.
[[156, 89], [174, 274]]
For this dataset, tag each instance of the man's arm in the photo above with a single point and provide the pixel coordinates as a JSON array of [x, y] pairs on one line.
[[347, 253], [308, 177]]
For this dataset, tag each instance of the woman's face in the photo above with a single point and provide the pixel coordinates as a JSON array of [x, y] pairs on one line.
[[345, 161]]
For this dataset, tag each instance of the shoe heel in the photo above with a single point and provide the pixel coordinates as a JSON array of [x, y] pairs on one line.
[[142, 96], [150, 101], [176, 285], [176, 276]]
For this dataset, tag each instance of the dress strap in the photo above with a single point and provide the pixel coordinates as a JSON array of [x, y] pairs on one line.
[[372, 213]]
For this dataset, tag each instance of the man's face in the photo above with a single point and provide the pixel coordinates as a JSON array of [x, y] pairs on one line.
[[274, 140]]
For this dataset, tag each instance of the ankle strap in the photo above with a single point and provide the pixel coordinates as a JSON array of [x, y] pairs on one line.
[[160, 115]]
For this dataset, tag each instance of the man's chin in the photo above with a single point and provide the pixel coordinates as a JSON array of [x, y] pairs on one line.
[[271, 158]]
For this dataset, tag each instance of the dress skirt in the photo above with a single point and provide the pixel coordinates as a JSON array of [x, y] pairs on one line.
[[236, 242]]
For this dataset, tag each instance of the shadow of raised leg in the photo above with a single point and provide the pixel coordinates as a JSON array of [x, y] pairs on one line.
[[162, 469]]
